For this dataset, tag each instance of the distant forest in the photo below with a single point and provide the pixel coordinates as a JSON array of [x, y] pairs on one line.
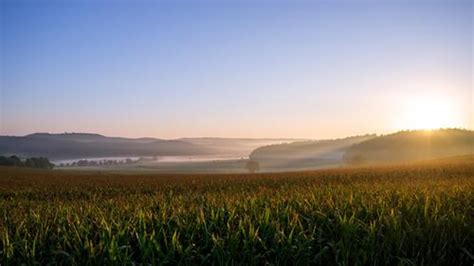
[[403, 146], [411, 146], [33, 162]]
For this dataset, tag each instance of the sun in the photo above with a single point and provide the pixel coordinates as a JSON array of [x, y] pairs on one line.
[[427, 113]]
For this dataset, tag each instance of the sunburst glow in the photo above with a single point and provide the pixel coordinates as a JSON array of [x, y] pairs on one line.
[[427, 113]]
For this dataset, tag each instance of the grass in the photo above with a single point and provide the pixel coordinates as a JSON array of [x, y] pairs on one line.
[[417, 214]]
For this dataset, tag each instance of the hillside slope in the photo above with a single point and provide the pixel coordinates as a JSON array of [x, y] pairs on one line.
[[412, 145], [305, 154], [82, 145]]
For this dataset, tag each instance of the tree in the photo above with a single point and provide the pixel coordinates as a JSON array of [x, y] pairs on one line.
[[10, 161], [34, 162], [44, 163], [15, 161], [252, 166], [39, 162], [4, 161]]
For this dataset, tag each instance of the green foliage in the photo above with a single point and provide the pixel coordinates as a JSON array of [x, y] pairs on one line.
[[33, 162], [406, 215], [412, 145], [305, 154], [252, 166]]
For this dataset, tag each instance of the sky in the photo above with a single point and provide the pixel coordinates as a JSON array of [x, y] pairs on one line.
[[305, 69]]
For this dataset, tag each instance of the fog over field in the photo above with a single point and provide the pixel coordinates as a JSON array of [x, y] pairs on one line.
[[93, 151]]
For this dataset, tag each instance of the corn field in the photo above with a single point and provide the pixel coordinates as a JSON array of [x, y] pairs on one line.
[[416, 214]]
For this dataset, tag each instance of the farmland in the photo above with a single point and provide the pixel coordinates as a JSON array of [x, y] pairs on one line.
[[411, 214]]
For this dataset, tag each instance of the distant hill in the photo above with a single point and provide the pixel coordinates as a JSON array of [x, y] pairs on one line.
[[305, 154], [83, 145], [412, 145], [236, 146]]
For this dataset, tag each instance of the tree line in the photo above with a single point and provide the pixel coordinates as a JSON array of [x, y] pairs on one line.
[[84, 163], [33, 162]]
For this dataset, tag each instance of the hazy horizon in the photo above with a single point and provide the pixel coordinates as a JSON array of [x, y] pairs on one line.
[[237, 132], [280, 69], [231, 137]]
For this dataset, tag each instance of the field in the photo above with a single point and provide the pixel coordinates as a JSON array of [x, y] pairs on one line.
[[413, 214]]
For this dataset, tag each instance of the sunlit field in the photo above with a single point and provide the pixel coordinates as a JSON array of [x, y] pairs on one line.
[[417, 214]]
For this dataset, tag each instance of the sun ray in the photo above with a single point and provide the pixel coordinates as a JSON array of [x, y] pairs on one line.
[[427, 113]]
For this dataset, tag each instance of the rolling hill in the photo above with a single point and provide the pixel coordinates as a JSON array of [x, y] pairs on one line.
[[84, 145], [414, 145], [305, 154]]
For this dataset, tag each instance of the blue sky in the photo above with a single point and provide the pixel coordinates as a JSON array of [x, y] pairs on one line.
[[312, 69]]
